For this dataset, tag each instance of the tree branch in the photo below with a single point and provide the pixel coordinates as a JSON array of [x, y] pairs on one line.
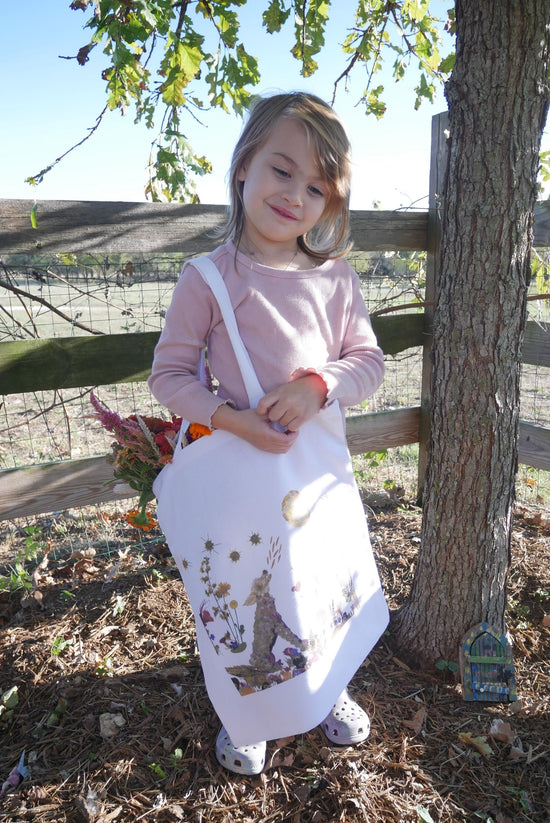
[[16, 322], [38, 178], [36, 299], [53, 405], [181, 18], [345, 74], [400, 307]]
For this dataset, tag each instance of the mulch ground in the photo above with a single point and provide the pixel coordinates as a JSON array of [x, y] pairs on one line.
[[115, 723]]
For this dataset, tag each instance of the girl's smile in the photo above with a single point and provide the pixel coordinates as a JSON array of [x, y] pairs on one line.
[[284, 213]]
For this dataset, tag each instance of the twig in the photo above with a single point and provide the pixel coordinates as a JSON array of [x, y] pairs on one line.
[[43, 412], [15, 321], [34, 298], [401, 306], [83, 292], [57, 393], [23, 304], [423, 304], [344, 74], [37, 178]]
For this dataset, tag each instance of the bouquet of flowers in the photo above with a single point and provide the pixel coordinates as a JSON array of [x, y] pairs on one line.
[[141, 448]]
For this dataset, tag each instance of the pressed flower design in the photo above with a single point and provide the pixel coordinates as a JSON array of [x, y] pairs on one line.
[[220, 608], [274, 651]]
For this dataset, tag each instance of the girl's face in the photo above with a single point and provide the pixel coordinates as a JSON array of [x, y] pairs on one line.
[[284, 194]]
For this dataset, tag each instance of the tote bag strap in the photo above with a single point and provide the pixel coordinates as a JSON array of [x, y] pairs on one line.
[[211, 275]]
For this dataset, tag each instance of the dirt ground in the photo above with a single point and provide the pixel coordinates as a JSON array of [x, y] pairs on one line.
[[115, 723]]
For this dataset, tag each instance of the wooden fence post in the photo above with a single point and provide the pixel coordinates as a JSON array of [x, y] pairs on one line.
[[438, 167]]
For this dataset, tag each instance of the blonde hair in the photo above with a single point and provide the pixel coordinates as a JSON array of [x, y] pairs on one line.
[[330, 237]]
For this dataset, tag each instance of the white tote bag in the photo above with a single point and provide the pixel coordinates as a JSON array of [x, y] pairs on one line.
[[275, 556]]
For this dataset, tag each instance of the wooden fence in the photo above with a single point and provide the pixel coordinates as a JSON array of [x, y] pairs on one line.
[[59, 363]]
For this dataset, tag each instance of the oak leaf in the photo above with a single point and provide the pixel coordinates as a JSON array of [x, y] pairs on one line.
[[417, 722]]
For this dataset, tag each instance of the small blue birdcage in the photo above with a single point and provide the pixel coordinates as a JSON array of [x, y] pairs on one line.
[[486, 666]]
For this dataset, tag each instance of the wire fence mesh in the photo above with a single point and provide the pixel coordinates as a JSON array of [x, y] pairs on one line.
[[63, 295]]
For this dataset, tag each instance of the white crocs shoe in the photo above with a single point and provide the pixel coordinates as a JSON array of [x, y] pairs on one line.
[[239, 759], [347, 723]]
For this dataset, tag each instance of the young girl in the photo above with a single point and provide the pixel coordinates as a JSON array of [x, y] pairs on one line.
[[302, 318]]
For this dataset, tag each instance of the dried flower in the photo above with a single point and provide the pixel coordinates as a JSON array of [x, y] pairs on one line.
[[197, 430], [141, 519], [142, 447]]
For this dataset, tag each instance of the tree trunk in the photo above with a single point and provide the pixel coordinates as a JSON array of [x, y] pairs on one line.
[[497, 98]]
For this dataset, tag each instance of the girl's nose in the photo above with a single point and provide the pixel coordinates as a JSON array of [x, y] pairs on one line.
[[293, 193]]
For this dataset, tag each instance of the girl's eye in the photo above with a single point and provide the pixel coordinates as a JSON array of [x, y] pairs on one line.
[[316, 192], [281, 172]]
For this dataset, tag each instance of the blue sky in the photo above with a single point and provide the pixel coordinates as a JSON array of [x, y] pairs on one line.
[[50, 103]]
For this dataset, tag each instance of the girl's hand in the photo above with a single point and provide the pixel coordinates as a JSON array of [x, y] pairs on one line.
[[254, 429], [294, 403]]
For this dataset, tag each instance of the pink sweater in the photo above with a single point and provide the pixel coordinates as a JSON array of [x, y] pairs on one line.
[[289, 320]]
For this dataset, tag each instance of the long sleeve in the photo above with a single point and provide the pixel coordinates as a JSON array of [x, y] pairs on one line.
[[359, 370], [174, 379]]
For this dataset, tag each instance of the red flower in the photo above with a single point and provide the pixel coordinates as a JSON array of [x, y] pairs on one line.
[[165, 447]]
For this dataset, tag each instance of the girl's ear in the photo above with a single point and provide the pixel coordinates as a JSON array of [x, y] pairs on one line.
[[241, 176]]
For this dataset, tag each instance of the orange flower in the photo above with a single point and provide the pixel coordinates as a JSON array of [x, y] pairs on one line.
[[197, 430], [141, 519]]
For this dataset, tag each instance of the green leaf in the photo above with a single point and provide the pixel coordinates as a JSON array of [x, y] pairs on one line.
[[373, 102], [34, 222], [424, 91], [59, 645], [174, 166], [157, 770], [135, 30], [310, 34], [427, 52], [149, 14], [447, 64], [228, 27], [129, 32], [399, 68], [180, 64], [68, 259], [275, 16], [415, 10]]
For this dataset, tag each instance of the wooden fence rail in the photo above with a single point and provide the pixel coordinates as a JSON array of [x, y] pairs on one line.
[[108, 228], [58, 363]]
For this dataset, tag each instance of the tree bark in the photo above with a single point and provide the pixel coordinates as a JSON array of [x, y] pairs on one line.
[[498, 98]]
